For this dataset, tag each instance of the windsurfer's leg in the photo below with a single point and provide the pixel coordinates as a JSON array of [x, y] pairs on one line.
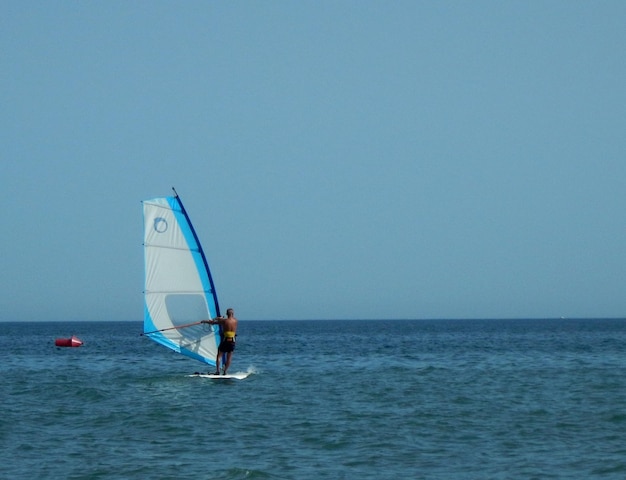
[[217, 362], [228, 356]]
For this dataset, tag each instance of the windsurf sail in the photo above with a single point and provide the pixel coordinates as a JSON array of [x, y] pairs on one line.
[[179, 290]]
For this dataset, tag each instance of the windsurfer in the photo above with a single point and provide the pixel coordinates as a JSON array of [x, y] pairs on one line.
[[227, 344]]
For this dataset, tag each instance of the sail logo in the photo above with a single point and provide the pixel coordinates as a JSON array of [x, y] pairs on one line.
[[160, 225]]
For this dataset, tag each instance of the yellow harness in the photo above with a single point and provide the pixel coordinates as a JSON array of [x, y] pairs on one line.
[[229, 335]]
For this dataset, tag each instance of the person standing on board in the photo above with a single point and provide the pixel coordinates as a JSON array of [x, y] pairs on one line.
[[227, 345]]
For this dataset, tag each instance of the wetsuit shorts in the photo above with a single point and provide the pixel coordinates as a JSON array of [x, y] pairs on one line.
[[227, 346]]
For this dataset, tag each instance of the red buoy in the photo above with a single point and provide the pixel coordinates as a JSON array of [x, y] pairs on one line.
[[68, 342]]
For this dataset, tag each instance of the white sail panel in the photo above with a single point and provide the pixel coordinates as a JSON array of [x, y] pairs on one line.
[[178, 286]]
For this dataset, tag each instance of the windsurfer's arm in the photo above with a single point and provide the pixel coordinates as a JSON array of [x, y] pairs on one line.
[[215, 321]]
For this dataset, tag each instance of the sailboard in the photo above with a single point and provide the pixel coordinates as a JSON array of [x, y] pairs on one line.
[[179, 291], [233, 376]]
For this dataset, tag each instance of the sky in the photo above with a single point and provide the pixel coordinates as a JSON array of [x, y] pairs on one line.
[[339, 159]]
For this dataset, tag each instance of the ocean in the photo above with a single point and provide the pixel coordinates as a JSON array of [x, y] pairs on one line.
[[462, 399]]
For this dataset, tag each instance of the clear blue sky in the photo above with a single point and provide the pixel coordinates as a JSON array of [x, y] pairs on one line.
[[339, 159]]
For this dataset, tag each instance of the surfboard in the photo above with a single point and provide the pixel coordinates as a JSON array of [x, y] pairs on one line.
[[230, 376]]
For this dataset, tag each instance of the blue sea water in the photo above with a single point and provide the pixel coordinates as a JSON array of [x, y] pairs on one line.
[[465, 399]]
